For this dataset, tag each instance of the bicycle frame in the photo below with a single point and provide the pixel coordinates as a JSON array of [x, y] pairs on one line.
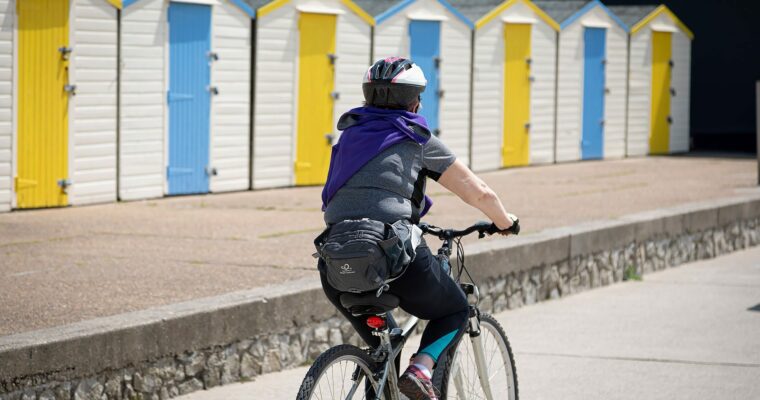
[[393, 338]]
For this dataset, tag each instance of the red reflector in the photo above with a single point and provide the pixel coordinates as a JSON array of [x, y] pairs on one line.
[[375, 322]]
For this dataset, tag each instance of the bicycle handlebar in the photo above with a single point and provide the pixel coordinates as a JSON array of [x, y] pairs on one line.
[[483, 228]]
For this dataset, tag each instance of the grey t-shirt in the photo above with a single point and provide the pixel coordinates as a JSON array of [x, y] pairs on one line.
[[381, 189]]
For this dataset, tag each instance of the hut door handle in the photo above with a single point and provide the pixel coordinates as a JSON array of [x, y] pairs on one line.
[[214, 90], [70, 89], [440, 93], [65, 52], [671, 63], [332, 57], [64, 184], [670, 120], [527, 127], [330, 138], [437, 61], [335, 95], [213, 56], [673, 92], [529, 61], [211, 171]]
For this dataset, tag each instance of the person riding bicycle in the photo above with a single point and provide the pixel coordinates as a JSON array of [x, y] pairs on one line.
[[378, 171]]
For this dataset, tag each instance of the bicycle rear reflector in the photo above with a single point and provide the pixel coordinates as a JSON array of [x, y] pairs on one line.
[[376, 322]]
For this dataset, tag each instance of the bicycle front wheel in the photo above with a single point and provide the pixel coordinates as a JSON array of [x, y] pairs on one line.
[[462, 379], [341, 373]]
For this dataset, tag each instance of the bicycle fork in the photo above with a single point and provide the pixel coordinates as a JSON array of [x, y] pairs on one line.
[[480, 359]]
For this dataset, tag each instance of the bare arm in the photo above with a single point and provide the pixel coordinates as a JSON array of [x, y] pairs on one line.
[[464, 183]]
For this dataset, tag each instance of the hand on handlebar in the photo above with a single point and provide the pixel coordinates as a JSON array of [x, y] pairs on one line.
[[514, 229]]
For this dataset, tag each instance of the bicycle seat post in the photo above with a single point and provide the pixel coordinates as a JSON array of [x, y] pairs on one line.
[[384, 355]]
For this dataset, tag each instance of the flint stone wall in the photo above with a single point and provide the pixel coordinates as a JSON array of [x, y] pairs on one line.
[[295, 324]]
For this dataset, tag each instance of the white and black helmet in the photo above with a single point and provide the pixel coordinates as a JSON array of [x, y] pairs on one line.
[[393, 82]]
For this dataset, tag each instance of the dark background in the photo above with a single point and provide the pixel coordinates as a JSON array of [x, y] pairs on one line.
[[725, 65]]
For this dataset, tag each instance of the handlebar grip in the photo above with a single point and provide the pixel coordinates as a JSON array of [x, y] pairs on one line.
[[514, 229]]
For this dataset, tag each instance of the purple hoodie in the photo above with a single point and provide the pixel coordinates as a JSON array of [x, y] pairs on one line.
[[367, 131]]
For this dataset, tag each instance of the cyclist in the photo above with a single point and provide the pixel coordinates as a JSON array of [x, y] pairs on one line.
[[378, 171]]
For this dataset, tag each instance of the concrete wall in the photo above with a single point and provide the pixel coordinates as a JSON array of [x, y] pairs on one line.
[[203, 343]]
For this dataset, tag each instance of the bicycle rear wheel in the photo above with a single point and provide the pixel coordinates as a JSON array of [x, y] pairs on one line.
[[459, 379], [342, 372]]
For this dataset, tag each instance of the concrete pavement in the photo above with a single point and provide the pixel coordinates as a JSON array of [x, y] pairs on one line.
[[64, 266], [684, 333]]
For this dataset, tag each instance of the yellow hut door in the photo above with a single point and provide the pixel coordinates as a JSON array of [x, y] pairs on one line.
[[659, 133], [516, 146], [315, 97], [43, 52]]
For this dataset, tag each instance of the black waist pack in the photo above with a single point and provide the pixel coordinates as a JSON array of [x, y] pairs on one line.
[[365, 255]]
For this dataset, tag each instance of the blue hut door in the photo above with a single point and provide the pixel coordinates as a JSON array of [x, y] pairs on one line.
[[189, 98], [425, 49], [592, 141]]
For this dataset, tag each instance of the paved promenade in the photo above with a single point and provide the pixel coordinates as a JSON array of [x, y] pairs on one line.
[[685, 333], [66, 265]]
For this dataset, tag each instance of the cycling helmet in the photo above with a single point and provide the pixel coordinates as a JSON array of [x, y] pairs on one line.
[[393, 82]]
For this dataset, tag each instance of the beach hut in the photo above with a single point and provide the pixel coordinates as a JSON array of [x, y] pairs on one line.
[[514, 76], [58, 102], [438, 38], [659, 83], [310, 60], [591, 83], [185, 97]]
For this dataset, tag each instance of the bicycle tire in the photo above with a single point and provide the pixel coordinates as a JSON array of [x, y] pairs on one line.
[[443, 379], [330, 358]]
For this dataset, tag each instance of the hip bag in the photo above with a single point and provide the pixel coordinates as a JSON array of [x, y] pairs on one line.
[[365, 255]]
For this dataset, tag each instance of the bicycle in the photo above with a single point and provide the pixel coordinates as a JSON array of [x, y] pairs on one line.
[[373, 373]]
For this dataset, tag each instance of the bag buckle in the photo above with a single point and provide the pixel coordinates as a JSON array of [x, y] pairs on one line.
[[381, 289]]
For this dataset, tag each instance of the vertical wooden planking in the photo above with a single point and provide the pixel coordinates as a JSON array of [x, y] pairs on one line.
[[7, 16], [143, 100], [315, 106], [594, 53], [231, 120], [274, 108], [659, 138], [517, 73], [93, 112], [425, 44], [679, 131], [43, 115], [189, 97]]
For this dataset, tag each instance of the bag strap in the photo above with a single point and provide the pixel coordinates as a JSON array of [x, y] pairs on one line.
[[418, 195]]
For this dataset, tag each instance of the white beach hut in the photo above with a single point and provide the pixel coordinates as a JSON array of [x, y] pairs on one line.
[[310, 58], [514, 74], [659, 82], [438, 38], [185, 97], [592, 77], [57, 102]]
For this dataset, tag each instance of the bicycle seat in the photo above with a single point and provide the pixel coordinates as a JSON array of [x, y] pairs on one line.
[[368, 303]]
